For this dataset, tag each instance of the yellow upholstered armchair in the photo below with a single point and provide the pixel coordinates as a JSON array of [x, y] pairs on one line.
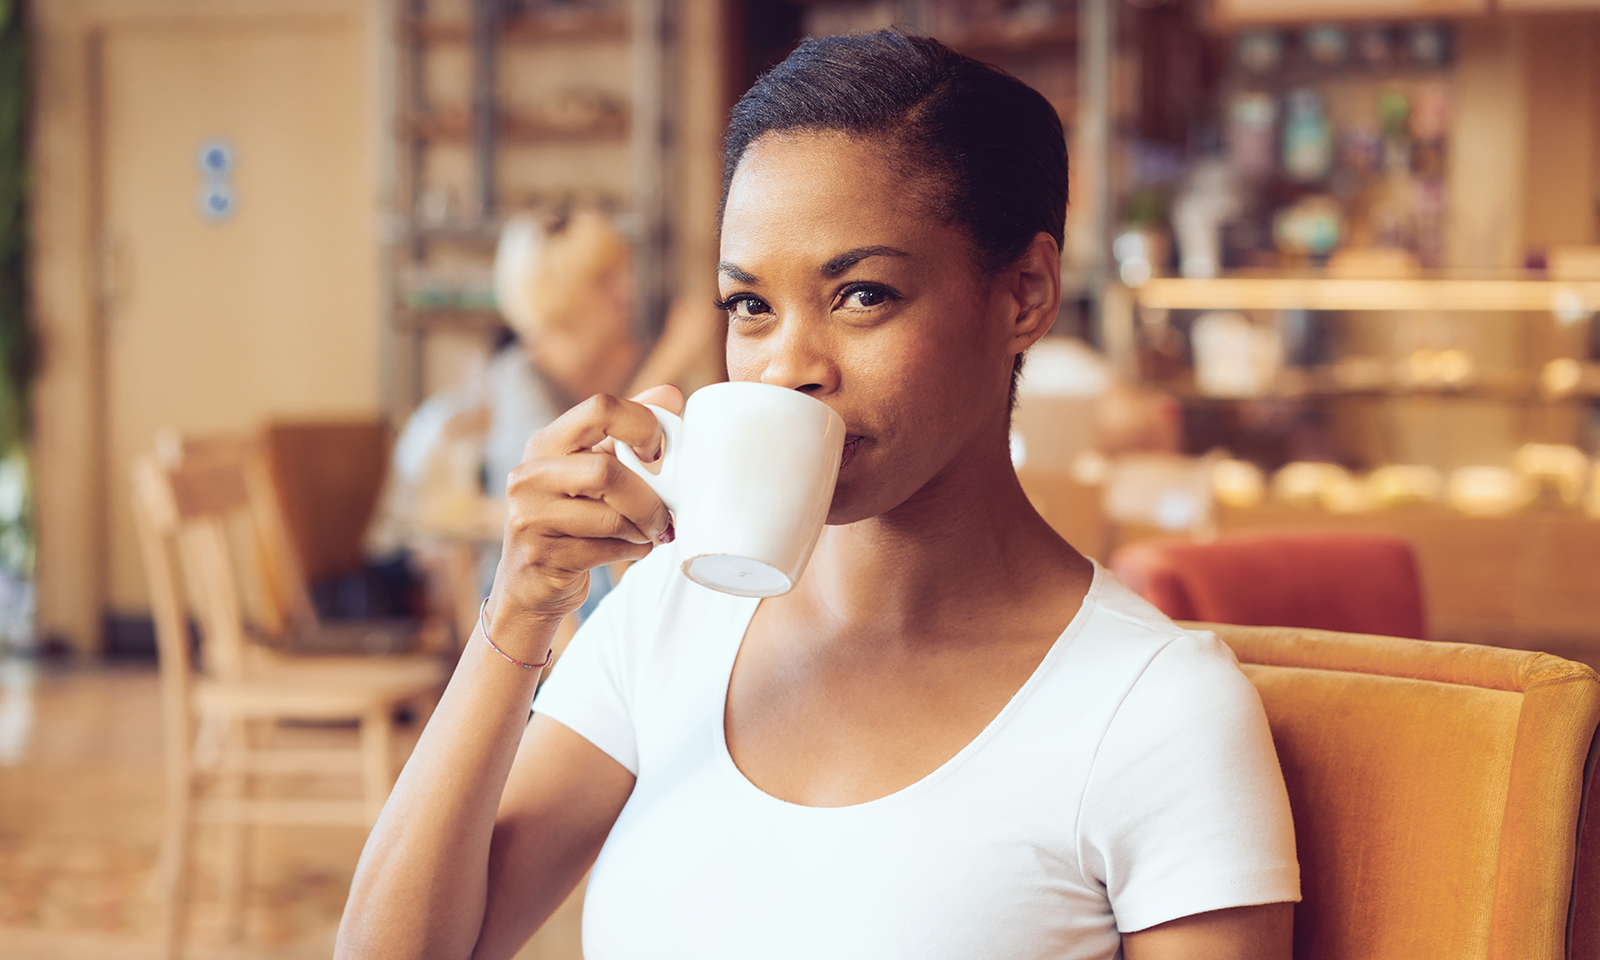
[[1438, 793]]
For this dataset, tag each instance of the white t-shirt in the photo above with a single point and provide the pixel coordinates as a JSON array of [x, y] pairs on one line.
[[1132, 780]]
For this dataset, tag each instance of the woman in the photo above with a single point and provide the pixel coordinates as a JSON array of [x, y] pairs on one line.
[[956, 737]]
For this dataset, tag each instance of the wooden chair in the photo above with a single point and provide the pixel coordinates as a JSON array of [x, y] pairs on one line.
[[328, 476], [277, 599], [286, 469], [1356, 582], [196, 528], [1439, 794]]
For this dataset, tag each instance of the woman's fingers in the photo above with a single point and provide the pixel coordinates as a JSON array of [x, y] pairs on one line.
[[587, 519], [571, 508], [665, 396], [569, 557], [595, 419], [598, 478]]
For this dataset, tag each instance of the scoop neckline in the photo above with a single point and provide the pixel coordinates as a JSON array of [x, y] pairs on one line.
[[933, 777]]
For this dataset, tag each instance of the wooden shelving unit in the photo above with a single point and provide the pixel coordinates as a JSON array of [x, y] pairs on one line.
[[454, 223], [460, 318], [1057, 38], [574, 27], [457, 125], [1235, 12], [1335, 293], [471, 235], [1328, 382], [1455, 295]]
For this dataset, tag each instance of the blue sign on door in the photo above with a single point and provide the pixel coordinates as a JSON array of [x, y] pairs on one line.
[[216, 160]]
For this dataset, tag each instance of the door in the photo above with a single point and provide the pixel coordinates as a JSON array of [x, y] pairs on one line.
[[238, 252]]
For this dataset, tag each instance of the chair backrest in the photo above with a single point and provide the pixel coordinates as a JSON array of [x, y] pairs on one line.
[[1438, 792], [155, 518], [327, 476], [1355, 582], [199, 523], [275, 595]]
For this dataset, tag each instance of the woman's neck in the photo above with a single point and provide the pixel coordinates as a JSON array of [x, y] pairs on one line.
[[963, 541]]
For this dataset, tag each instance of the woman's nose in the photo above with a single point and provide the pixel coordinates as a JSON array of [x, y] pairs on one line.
[[801, 359]]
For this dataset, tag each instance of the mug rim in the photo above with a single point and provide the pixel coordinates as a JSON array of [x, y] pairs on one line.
[[724, 386]]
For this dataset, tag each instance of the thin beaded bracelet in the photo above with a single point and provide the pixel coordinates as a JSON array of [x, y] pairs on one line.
[[484, 629]]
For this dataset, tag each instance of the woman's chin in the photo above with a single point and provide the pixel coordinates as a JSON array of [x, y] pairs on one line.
[[848, 505], [856, 498], [841, 514]]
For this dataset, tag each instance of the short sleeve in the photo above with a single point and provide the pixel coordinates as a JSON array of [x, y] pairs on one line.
[[591, 688], [1185, 809]]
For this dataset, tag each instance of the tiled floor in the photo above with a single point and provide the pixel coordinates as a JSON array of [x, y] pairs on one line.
[[80, 824]]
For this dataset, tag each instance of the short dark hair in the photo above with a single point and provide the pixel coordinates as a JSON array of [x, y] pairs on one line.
[[991, 145]]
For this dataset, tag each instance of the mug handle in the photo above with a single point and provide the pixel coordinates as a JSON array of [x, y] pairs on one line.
[[665, 482]]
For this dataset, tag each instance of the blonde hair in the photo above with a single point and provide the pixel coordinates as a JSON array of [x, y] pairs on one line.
[[546, 263]]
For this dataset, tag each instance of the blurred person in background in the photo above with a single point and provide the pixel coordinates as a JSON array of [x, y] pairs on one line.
[[564, 283]]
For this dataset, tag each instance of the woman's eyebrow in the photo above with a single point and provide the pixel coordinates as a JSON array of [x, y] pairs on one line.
[[734, 273], [844, 261]]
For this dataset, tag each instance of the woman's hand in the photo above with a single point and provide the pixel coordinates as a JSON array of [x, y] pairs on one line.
[[573, 506]]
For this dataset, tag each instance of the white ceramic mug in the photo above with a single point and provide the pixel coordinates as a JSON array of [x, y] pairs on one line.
[[748, 473]]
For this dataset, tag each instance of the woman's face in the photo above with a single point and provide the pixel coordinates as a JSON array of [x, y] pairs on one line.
[[839, 283]]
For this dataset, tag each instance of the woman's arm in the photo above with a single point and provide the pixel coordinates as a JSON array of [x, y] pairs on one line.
[[1262, 932], [423, 886], [548, 832]]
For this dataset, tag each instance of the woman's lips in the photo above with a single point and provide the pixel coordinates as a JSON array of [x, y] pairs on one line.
[[851, 442]]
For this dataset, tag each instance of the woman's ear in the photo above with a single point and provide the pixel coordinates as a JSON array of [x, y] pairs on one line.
[[1036, 290]]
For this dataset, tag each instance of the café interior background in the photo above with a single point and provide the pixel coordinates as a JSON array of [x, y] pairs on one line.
[[1329, 265]]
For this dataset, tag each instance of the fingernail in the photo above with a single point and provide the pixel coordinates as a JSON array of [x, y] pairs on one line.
[[668, 535]]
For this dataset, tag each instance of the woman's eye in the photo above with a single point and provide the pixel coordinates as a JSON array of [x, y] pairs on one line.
[[862, 298], [744, 305]]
